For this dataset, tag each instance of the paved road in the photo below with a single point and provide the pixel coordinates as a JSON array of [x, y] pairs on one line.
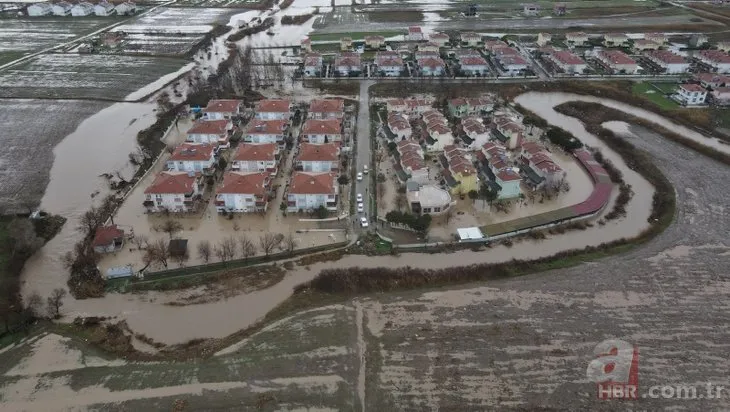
[[364, 150]]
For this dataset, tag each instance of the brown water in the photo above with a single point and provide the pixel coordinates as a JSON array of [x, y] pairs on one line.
[[147, 313]]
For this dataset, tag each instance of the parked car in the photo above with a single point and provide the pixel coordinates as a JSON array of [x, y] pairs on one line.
[[365, 169], [363, 222], [360, 208], [359, 176], [359, 198]]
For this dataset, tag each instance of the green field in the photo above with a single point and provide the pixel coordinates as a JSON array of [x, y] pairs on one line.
[[656, 93]]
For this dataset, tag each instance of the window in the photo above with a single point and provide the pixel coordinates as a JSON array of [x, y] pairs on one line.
[[426, 210], [178, 200], [436, 209]]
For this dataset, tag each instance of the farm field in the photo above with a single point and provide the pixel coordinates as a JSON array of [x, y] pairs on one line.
[[655, 92], [216, 3], [183, 17], [26, 34], [28, 141], [71, 76]]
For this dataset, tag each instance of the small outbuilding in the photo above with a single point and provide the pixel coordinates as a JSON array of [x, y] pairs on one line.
[[108, 239], [469, 234], [178, 247]]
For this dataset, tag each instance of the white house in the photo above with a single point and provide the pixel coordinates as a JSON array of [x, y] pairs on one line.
[[644, 45], [309, 191], [40, 9], [192, 157], [306, 45], [512, 64], [411, 107], [431, 66], [671, 63], [243, 192], [219, 109], [273, 109], [718, 60], [374, 42], [256, 157], [318, 157], [415, 34], [322, 131], [212, 131], [322, 109], [658, 38], [530, 9], [510, 132], [691, 94], [509, 181], [347, 64], [265, 131], [576, 39], [312, 65], [545, 167], [615, 40], [567, 61], [126, 8], [475, 130], [172, 191], [428, 199], [108, 239], [104, 9], [82, 9], [399, 125], [474, 66], [712, 80], [439, 136], [470, 39], [618, 61], [412, 161], [389, 63], [61, 8]]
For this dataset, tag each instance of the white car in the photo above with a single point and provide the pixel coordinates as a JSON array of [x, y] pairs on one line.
[[363, 222], [360, 208], [359, 198], [365, 169], [359, 176]]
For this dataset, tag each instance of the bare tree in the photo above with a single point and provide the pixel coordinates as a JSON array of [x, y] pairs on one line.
[[225, 250], [157, 252], [290, 243], [170, 227], [204, 250], [22, 238], [401, 201], [34, 304], [181, 258], [449, 214], [90, 220], [248, 248], [268, 242], [54, 303], [140, 241]]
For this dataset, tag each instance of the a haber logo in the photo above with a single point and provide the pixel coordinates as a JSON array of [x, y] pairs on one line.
[[615, 369]]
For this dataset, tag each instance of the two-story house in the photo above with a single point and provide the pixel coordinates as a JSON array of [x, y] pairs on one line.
[[345, 43], [172, 192], [712, 80], [273, 109], [321, 109], [374, 42], [545, 167], [412, 162], [691, 94], [509, 182], [567, 61], [474, 66], [716, 60], [429, 47], [618, 62], [322, 131], [470, 39], [313, 65], [509, 132], [192, 157], [215, 132], [306, 45], [461, 107], [256, 157], [462, 170], [615, 40], [347, 64], [318, 157], [431, 66], [578, 39], [669, 62], [399, 125], [220, 109], [389, 63], [441, 39], [243, 192], [415, 34], [266, 131], [308, 191], [475, 131]]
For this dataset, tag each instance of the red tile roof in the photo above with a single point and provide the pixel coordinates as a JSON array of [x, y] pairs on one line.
[[303, 183], [210, 127], [348, 59], [327, 106], [473, 125], [566, 57], [273, 106], [106, 235], [327, 126], [411, 159], [398, 122], [716, 56], [192, 151], [439, 36], [508, 175], [255, 152], [414, 29], [313, 59], [171, 183], [309, 152], [473, 61], [432, 62], [257, 126], [666, 56], [691, 87], [222, 106], [244, 183], [616, 57], [470, 35], [374, 38], [712, 78]]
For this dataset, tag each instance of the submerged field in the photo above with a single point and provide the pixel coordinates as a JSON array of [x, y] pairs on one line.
[[32, 34], [71, 76]]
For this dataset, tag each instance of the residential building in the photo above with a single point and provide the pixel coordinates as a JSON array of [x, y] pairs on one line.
[[347, 64], [530, 9], [461, 54], [441, 39], [104, 9], [529, 149], [658, 38], [318, 157], [576, 39], [546, 168], [412, 162], [690, 94], [219, 109], [512, 64], [308, 191], [346, 44], [721, 96], [723, 45], [82, 9], [475, 130], [697, 40], [306, 45], [265, 131], [509, 132], [321, 109], [718, 61], [474, 66], [256, 157], [643, 45], [273, 109], [618, 62], [429, 47], [172, 192], [567, 61], [415, 34], [374, 42], [192, 157], [509, 182], [615, 40], [427, 198], [669, 62], [312, 65], [40, 9], [560, 9], [470, 39], [422, 54], [411, 107], [108, 239], [438, 136], [712, 80], [215, 132], [389, 63], [433, 117], [543, 39], [461, 169], [493, 151], [61, 8], [243, 192], [125, 9], [494, 45], [431, 66], [399, 125], [322, 131], [505, 51], [461, 107]]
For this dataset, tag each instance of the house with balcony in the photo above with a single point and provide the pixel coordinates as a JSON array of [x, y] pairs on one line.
[[437, 136], [222, 109], [308, 191], [712, 80], [82, 9], [470, 39], [461, 107], [62, 8], [389, 63], [374, 42], [346, 44], [429, 47], [243, 192], [306, 45], [509, 183], [39, 9], [473, 66], [399, 126], [667, 61], [530, 149], [193, 157], [273, 109], [690, 94], [461, 169], [104, 9], [126, 8], [576, 39], [616, 40], [509, 132], [318, 157], [441, 39], [312, 65], [567, 62], [511, 63], [434, 116], [415, 34], [493, 151], [215, 132], [546, 168], [617, 62], [475, 131], [266, 131], [347, 64], [412, 162], [322, 131], [323, 109], [641, 45], [717, 61], [431, 66], [256, 157], [172, 192]]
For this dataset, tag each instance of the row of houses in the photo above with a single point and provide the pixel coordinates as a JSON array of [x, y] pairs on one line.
[[704, 88], [81, 9]]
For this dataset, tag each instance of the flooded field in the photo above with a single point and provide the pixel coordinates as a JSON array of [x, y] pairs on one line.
[[32, 34]]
